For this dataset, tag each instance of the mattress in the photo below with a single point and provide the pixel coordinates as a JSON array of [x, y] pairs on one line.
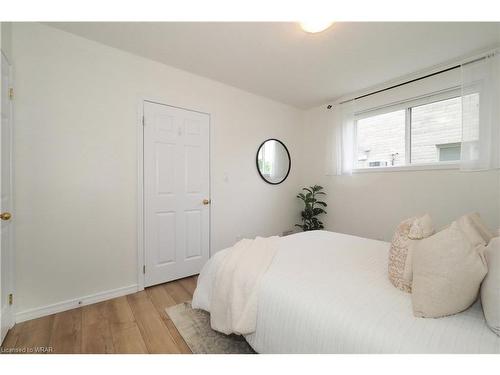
[[328, 292]]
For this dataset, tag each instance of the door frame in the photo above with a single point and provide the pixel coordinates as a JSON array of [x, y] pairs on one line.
[[10, 250], [141, 260]]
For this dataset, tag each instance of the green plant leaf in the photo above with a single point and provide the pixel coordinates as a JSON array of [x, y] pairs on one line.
[[311, 209], [318, 211]]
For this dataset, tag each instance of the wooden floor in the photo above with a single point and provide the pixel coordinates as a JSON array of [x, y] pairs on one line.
[[136, 323]]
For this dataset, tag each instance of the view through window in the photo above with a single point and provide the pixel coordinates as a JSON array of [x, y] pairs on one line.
[[381, 140], [433, 131]]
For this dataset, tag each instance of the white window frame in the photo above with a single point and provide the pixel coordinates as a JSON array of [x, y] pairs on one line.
[[406, 105]]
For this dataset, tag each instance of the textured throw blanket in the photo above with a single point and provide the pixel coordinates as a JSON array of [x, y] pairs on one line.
[[233, 307]]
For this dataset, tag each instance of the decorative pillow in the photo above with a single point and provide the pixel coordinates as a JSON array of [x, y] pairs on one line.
[[481, 227], [490, 289], [408, 270], [471, 224], [414, 228], [421, 228], [471, 232], [447, 273]]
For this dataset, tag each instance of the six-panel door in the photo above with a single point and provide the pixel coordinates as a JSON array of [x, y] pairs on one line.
[[6, 254], [176, 183]]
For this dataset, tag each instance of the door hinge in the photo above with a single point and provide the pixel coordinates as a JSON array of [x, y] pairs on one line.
[[11, 93], [144, 269], [11, 299]]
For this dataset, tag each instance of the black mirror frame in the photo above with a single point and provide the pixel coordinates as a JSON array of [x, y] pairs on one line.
[[289, 161]]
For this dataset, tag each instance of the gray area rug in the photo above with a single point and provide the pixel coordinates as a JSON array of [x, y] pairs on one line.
[[194, 327]]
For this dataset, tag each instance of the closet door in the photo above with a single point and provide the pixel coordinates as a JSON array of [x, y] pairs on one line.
[[176, 192], [6, 251]]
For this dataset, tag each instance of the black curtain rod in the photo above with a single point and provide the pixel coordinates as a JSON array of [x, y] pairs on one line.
[[404, 83], [413, 80], [401, 84]]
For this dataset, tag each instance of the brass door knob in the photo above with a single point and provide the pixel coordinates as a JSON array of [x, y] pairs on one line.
[[206, 201], [5, 215]]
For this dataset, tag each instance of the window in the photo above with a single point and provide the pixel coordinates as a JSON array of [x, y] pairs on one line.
[[449, 151], [381, 140], [433, 127], [421, 132]]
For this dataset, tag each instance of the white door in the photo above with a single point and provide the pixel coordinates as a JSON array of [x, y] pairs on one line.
[[176, 192], [6, 257]]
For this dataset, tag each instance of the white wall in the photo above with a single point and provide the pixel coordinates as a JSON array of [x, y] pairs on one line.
[[76, 167], [76, 161], [6, 38], [372, 204]]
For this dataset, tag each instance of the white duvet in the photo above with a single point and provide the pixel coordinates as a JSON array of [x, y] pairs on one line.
[[327, 292], [235, 289]]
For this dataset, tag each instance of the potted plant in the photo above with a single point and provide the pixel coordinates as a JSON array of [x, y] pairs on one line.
[[312, 208]]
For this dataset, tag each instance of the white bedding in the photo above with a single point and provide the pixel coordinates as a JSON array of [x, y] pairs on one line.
[[233, 306], [327, 292]]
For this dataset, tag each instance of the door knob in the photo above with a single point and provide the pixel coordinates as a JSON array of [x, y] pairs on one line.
[[5, 215], [206, 201]]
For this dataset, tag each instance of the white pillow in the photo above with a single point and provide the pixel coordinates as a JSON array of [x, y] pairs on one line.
[[408, 271], [471, 225], [490, 289], [447, 273], [481, 227], [475, 229]]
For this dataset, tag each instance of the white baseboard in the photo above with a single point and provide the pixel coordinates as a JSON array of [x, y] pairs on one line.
[[38, 312]]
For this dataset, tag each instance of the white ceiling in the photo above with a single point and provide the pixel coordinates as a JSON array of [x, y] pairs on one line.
[[280, 61]]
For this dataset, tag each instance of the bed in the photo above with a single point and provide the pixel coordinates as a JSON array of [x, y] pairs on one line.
[[327, 292]]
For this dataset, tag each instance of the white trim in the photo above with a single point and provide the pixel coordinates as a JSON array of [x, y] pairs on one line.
[[140, 197], [74, 303], [418, 101], [407, 135], [412, 167], [12, 255], [10, 251], [210, 190], [141, 261]]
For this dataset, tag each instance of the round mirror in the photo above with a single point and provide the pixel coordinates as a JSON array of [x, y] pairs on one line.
[[273, 161]]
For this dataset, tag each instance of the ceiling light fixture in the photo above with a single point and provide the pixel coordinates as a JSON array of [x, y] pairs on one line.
[[316, 26]]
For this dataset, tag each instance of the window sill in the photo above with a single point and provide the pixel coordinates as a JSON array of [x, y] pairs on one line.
[[407, 168]]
